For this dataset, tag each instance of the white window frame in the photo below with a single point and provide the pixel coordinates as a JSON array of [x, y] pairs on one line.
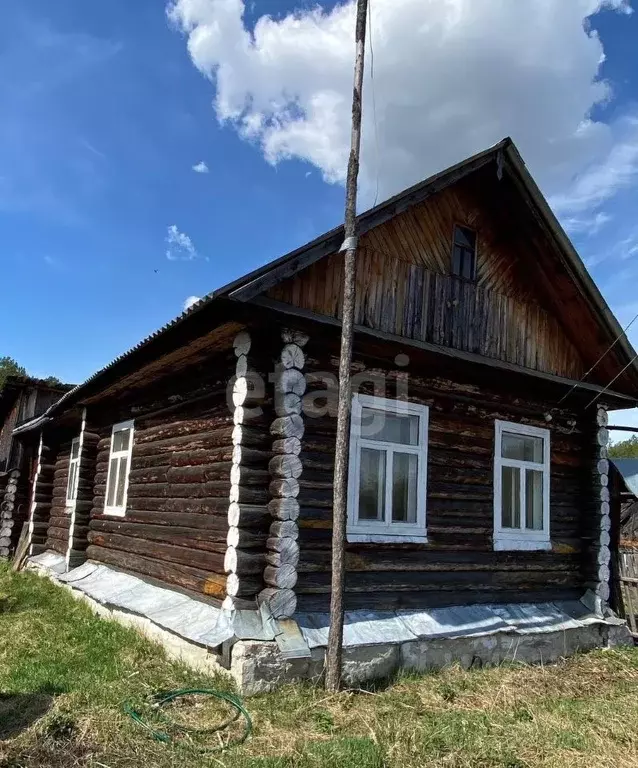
[[72, 492], [119, 511], [386, 531], [520, 539]]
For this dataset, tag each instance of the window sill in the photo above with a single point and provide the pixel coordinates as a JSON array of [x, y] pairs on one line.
[[114, 512], [385, 538], [522, 545]]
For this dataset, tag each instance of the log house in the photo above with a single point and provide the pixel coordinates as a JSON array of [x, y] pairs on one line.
[[202, 459]]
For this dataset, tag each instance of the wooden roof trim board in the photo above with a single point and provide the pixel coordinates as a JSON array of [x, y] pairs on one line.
[[246, 288]]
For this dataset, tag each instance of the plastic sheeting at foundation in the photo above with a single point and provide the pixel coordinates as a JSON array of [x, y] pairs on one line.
[[377, 628], [191, 619]]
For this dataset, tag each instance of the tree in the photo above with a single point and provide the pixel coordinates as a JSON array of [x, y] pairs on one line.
[[625, 449], [9, 367], [53, 381]]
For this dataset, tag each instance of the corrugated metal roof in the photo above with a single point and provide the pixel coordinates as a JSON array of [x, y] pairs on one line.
[[628, 468]]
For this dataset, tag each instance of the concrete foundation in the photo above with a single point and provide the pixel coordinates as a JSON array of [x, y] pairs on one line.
[[258, 667]]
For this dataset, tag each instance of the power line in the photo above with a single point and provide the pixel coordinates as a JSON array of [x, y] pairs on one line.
[[604, 354], [617, 376]]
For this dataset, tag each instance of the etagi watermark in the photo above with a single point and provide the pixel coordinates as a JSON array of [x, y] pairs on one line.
[[315, 394]]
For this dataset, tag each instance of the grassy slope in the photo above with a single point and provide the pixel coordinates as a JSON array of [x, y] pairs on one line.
[[65, 673]]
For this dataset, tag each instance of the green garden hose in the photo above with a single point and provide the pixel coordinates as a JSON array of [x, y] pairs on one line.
[[160, 699]]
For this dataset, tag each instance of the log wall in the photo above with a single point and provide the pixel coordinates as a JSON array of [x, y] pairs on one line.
[[458, 564], [188, 437]]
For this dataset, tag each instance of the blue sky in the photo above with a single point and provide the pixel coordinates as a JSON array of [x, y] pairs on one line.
[[106, 108]]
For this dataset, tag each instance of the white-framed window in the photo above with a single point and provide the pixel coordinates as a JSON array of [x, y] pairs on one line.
[[119, 468], [74, 467], [388, 470], [521, 487]]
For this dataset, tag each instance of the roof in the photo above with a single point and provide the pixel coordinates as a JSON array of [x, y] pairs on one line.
[[247, 287], [15, 384], [628, 469]]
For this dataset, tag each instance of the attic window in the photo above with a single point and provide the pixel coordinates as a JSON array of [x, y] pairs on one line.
[[464, 253]]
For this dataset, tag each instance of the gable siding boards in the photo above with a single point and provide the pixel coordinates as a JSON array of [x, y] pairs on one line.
[[404, 287], [458, 565]]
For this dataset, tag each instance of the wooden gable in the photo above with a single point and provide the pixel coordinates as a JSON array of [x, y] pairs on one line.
[[404, 285]]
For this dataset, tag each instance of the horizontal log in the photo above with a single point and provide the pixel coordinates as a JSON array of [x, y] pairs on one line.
[[248, 391], [255, 437], [216, 525], [245, 538], [437, 581], [282, 552], [281, 603], [285, 466], [382, 600], [292, 336], [421, 558], [248, 494], [292, 356], [190, 578], [204, 506], [244, 456], [219, 426], [241, 367], [242, 343], [283, 577], [207, 539], [170, 553], [288, 404], [243, 586], [248, 516], [290, 380], [285, 529], [251, 416], [287, 426], [242, 562], [217, 445], [289, 445], [284, 488], [246, 475]]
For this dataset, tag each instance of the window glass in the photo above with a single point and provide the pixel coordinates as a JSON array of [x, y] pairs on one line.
[[511, 497], [533, 500], [522, 447], [121, 480], [465, 237], [110, 496], [389, 427], [404, 487], [121, 440], [372, 484], [75, 449], [464, 253]]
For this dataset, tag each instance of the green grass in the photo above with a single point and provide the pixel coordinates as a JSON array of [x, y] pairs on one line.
[[64, 675]]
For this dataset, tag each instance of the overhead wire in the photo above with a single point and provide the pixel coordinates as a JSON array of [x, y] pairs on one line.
[[604, 354], [617, 376]]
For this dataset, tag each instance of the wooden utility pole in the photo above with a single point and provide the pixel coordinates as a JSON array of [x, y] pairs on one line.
[[340, 490]]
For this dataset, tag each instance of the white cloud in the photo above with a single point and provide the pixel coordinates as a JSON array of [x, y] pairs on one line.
[[200, 167], [180, 246], [190, 301], [589, 225], [602, 179], [451, 77]]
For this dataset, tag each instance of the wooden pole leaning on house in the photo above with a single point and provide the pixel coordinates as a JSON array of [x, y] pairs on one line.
[[335, 637]]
